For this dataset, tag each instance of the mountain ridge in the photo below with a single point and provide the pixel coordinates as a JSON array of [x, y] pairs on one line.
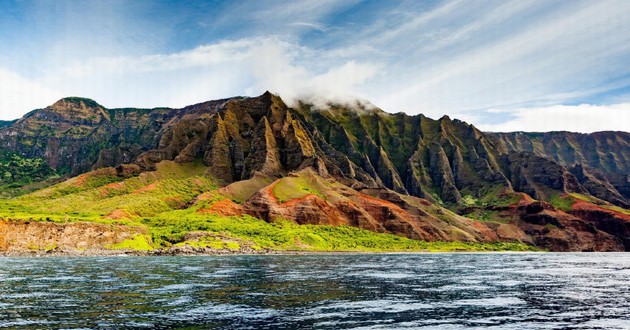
[[371, 160]]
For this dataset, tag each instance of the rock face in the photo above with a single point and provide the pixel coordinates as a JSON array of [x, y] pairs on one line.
[[76, 135], [559, 231], [539, 177], [604, 153], [441, 163], [33, 236]]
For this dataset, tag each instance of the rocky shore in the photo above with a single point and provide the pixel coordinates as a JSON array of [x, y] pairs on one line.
[[173, 251]]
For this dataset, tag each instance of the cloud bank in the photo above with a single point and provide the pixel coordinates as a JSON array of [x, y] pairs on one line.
[[249, 66], [584, 118]]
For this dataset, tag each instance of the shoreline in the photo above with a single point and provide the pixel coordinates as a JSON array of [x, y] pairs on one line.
[[216, 253]]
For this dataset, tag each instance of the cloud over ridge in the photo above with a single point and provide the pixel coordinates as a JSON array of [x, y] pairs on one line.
[[466, 59]]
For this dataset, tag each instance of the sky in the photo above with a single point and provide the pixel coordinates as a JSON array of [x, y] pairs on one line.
[[521, 65]]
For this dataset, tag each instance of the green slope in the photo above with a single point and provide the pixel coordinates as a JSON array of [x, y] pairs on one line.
[[166, 202]]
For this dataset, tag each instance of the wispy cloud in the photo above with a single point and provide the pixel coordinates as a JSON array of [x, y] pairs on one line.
[[314, 26], [559, 54]]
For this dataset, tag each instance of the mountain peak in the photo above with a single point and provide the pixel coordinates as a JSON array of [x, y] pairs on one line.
[[77, 110], [74, 102]]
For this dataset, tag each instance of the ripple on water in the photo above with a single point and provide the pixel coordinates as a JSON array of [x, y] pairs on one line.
[[184, 287], [448, 291], [191, 269], [12, 279], [455, 287], [20, 322], [508, 283], [180, 301], [490, 302], [62, 279], [224, 311], [374, 306], [29, 295], [386, 275]]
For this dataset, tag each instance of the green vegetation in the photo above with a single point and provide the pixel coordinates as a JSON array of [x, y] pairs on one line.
[[295, 187], [562, 202], [137, 243], [166, 203], [171, 228], [600, 203], [488, 216], [498, 196], [17, 171], [101, 195], [78, 100], [488, 207], [4, 123], [242, 190], [469, 200]]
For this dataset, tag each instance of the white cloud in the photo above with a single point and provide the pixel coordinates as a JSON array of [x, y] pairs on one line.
[[287, 76], [583, 118], [228, 68], [18, 94]]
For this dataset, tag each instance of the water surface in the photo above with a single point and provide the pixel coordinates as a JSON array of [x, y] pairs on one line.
[[364, 291]]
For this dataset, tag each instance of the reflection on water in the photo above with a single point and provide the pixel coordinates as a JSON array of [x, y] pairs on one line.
[[450, 291]]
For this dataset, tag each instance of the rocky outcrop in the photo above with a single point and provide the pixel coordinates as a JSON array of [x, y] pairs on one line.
[[559, 231], [19, 235], [610, 221], [264, 157], [375, 209]]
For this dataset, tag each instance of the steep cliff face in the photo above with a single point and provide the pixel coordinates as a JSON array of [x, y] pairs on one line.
[[600, 160], [383, 172]]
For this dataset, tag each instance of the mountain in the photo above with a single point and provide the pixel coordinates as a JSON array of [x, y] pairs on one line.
[[350, 165], [600, 161]]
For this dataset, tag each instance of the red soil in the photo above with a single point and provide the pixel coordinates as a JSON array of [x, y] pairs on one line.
[[224, 207], [148, 187]]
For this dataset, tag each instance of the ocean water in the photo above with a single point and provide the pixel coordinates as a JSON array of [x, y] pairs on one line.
[[354, 291]]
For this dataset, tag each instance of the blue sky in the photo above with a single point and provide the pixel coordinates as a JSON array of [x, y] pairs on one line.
[[501, 65]]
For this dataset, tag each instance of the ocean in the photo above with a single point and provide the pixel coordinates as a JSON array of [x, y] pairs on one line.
[[320, 291]]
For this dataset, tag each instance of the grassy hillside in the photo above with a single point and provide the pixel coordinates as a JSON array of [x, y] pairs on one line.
[[172, 203]]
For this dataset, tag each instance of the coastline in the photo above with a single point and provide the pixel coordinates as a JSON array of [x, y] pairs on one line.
[[209, 252], [222, 252]]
